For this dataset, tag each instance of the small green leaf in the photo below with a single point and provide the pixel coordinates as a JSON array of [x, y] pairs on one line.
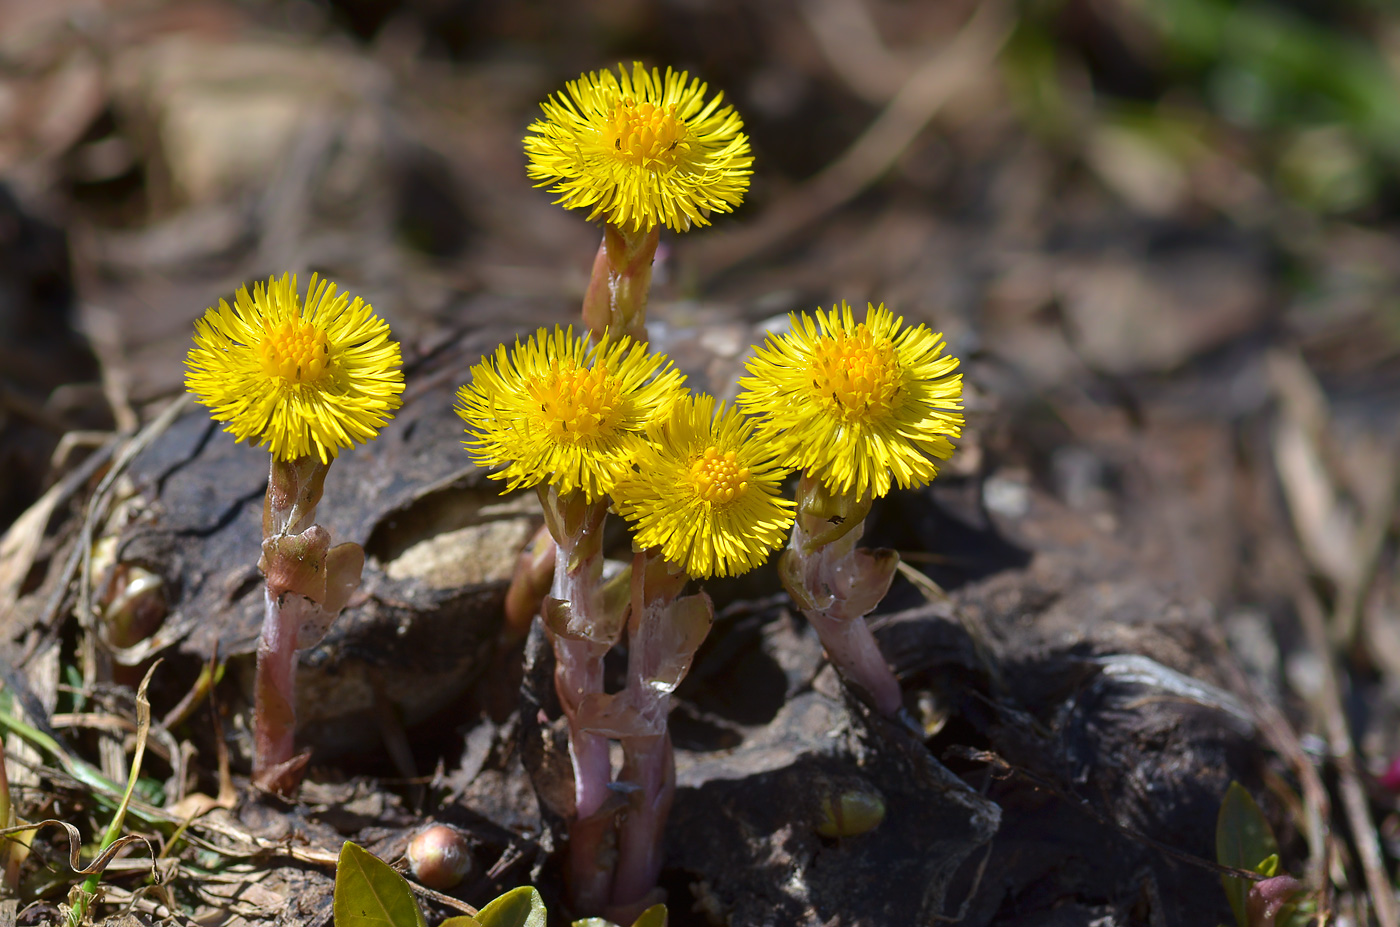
[[368, 893], [1269, 867], [1243, 840], [461, 920], [654, 916], [519, 907]]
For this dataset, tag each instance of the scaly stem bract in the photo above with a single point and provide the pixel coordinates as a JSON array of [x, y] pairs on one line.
[[293, 492], [582, 627], [616, 298], [836, 585], [663, 634]]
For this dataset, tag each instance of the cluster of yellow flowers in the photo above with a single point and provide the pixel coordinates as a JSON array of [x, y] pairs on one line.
[[596, 421], [860, 405]]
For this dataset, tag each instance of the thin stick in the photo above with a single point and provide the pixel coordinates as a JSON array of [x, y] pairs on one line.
[[1343, 751], [1370, 543], [114, 828]]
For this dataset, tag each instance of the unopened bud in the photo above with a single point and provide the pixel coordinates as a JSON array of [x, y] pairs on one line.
[[849, 813], [440, 857], [134, 607], [1266, 899]]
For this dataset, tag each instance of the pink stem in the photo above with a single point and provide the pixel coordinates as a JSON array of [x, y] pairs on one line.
[[276, 767], [649, 763], [852, 648], [289, 508], [579, 672], [579, 669], [663, 635], [579, 650]]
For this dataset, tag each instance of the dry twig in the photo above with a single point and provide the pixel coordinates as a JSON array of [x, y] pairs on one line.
[[1343, 752]]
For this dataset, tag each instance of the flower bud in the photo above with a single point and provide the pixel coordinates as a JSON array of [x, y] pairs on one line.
[[850, 813], [440, 857], [134, 606]]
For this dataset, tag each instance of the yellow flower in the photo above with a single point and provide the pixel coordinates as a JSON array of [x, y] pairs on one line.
[[638, 149], [706, 492], [561, 410], [297, 381], [857, 404]]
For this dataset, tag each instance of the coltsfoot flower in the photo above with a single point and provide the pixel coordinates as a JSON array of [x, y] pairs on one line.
[[563, 410], [706, 492], [639, 150], [299, 381], [856, 405]]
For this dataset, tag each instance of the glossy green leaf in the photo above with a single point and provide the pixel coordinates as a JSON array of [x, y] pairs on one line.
[[1243, 840], [519, 907], [368, 893], [461, 920], [654, 916]]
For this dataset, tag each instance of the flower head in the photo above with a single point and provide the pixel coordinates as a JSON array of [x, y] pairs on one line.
[[857, 404], [638, 149], [563, 410], [297, 380], [706, 492]]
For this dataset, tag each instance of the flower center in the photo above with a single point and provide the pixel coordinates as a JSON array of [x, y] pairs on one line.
[[855, 374], [644, 134], [717, 478], [298, 352], [578, 404]]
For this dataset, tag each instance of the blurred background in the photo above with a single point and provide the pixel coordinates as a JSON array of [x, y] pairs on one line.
[[1161, 233], [1113, 195], [1114, 187]]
